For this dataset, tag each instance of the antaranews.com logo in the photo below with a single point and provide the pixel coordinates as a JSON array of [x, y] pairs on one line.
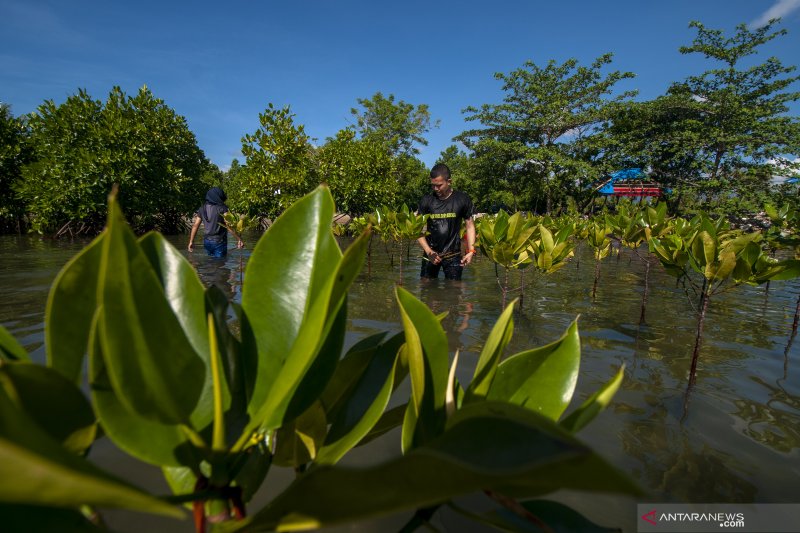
[[702, 518]]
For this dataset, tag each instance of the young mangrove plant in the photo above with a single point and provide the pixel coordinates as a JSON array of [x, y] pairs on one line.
[[597, 236], [633, 227], [551, 245], [172, 385], [723, 258], [506, 241]]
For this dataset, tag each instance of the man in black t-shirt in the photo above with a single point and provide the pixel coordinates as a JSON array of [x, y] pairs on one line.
[[447, 208]]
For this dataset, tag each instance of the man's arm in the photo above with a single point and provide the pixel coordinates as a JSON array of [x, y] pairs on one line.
[[470, 242], [193, 233], [239, 242]]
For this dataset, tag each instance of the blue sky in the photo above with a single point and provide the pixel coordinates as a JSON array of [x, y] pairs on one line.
[[220, 63]]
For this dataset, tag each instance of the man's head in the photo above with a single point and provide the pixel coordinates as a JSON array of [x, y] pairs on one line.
[[440, 180]]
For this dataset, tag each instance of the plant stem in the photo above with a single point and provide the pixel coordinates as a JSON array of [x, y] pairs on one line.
[[646, 288], [596, 278], [705, 298]]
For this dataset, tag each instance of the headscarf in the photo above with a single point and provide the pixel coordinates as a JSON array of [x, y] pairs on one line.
[[215, 195]]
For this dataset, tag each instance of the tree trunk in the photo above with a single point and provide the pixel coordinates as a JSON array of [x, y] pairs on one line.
[[521, 288]]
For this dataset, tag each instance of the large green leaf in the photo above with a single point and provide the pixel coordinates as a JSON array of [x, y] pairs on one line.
[[542, 379], [70, 309], [54, 402], [148, 440], [151, 364], [325, 364], [492, 447], [594, 405], [364, 404], [10, 348], [185, 294], [44, 473], [428, 354], [300, 283], [490, 354]]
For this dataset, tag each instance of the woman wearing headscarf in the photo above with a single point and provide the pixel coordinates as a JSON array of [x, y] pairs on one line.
[[215, 236]]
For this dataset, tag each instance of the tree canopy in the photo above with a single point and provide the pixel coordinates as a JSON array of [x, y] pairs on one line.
[[83, 146], [527, 143]]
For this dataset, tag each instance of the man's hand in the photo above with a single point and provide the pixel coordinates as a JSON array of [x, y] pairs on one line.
[[467, 259], [239, 244], [190, 247], [434, 257]]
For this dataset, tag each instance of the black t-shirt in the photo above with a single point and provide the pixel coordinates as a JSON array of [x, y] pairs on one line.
[[444, 223], [211, 214]]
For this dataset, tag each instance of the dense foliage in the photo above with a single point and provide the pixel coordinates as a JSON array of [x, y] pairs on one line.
[[83, 146], [14, 153]]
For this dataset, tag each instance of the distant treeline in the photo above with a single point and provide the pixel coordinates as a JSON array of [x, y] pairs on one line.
[[717, 141]]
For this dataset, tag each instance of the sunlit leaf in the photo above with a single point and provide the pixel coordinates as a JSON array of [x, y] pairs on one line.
[[428, 361], [542, 379], [70, 309], [490, 354], [594, 405], [150, 362]]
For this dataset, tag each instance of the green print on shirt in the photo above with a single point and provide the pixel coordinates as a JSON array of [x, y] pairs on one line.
[[442, 215]]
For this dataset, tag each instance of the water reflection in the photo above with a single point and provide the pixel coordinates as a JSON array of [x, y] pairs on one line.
[[215, 271]]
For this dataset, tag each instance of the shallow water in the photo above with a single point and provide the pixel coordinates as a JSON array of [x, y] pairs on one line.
[[733, 437]]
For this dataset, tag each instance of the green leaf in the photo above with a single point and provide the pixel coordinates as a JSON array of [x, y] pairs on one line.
[[594, 405], [185, 294], [298, 441], [791, 270], [427, 350], [349, 369], [148, 440], [70, 309], [364, 404], [55, 403], [542, 379], [10, 348], [300, 281], [46, 474], [492, 447], [490, 355], [151, 365]]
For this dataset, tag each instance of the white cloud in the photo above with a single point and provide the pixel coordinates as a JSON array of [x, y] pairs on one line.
[[779, 9]]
